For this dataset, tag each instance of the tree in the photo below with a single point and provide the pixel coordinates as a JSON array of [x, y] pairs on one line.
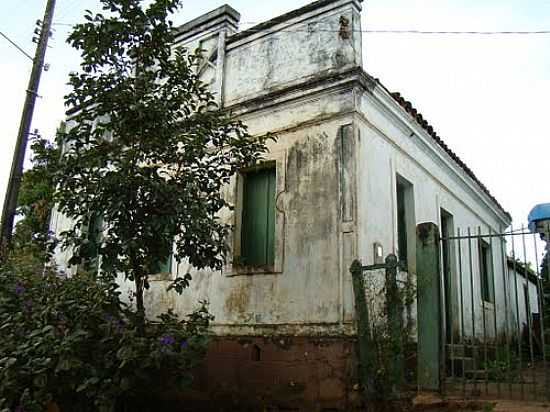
[[35, 199], [545, 274], [148, 151]]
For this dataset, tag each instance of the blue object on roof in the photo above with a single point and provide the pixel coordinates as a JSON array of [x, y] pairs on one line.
[[539, 212]]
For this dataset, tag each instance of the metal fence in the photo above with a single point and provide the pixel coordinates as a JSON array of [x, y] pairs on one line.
[[495, 340], [470, 322]]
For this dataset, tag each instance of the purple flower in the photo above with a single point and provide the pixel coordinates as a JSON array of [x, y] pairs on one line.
[[19, 409], [184, 344], [19, 289], [27, 305], [120, 326], [167, 340]]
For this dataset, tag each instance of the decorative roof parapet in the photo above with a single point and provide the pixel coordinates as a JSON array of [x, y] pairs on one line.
[[222, 17], [287, 16]]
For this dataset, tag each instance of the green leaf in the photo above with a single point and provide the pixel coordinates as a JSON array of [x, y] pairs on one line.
[[40, 381]]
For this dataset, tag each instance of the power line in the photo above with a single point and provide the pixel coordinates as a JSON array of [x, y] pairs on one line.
[[459, 32], [16, 46], [455, 32], [406, 31], [444, 32]]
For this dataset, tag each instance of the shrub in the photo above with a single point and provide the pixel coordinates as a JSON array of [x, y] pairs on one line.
[[73, 342]]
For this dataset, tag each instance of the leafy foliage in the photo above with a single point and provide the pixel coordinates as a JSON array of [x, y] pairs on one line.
[[147, 148], [391, 341], [73, 342], [35, 199], [545, 274]]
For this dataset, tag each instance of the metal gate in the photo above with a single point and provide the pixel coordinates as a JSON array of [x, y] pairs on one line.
[[495, 336]]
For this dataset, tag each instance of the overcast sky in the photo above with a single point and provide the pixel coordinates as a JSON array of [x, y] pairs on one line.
[[486, 96]]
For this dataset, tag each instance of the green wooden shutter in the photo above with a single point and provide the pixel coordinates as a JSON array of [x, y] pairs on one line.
[[258, 223], [401, 224], [95, 229], [166, 265], [94, 235], [487, 281]]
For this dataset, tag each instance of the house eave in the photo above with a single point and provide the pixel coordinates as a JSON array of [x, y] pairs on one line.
[[439, 149]]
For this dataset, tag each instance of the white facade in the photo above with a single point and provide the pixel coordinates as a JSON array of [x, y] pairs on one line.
[[343, 142], [522, 285]]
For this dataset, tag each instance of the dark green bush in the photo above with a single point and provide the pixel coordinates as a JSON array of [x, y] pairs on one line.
[[73, 342]]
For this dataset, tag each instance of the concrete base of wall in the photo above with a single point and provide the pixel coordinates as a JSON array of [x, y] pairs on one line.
[[277, 374]]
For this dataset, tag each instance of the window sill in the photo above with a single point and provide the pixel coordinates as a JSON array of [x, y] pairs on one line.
[[244, 270], [160, 277]]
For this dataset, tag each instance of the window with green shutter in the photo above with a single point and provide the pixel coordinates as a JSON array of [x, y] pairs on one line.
[[485, 272], [258, 218], [95, 233], [401, 224], [405, 220], [164, 266]]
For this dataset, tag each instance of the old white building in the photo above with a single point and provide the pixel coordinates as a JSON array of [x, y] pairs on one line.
[[354, 169]]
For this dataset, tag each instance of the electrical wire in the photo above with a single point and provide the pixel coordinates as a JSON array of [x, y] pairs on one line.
[[250, 30], [16, 46], [456, 32], [459, 32], [470, 32]]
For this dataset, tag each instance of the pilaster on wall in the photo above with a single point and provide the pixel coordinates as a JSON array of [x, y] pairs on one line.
[[348, 202]]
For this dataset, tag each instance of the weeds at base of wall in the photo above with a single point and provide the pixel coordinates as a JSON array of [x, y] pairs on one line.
[[393, 348]]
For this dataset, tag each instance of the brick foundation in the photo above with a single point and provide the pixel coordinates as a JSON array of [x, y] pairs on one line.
[[278, 374]]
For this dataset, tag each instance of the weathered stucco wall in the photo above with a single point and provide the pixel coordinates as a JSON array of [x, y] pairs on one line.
[[392, 145], [304, 293], [309, 45], [517, 283]]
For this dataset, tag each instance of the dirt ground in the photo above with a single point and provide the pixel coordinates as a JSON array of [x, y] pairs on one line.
[[517, 406], [434, 403]]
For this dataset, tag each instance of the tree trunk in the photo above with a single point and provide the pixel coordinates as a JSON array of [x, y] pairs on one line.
[[140, 308]]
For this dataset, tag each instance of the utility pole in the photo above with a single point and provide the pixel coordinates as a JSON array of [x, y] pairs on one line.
[[10, 201]]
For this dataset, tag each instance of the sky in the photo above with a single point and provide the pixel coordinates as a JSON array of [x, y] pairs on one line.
[[486, 96]]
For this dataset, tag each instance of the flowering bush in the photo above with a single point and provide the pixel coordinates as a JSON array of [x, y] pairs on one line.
[[73, 342]]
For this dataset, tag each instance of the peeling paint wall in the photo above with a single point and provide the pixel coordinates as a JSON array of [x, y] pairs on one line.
[[306, 289], [294, 51], [391, 147], [315, 172], [518, 282]]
